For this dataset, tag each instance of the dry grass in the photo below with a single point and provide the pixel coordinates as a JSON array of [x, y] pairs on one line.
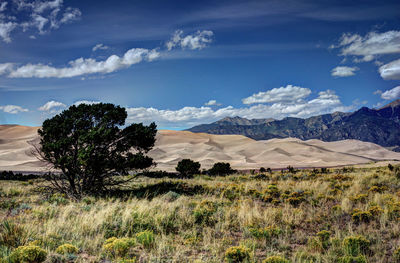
[[197, 220]]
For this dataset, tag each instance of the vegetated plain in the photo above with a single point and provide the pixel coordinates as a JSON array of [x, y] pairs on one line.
[[334, 215]]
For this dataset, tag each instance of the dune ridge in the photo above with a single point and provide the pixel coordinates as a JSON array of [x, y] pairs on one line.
[[240, 151]]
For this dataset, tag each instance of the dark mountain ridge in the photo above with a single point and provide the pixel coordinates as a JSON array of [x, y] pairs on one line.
[[380, 126]]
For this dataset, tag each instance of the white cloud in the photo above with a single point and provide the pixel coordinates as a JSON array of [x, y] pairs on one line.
[[71, 14], [3, 6], [371, 45], [13, 109], [390, 70], [5, 68], [99, 47], [81, 66], [42, 16], [326, 102], [89, 102], [283, 94], [51, 106], [5, 30], [212, 103], [343, 71], [198, 40], [391, 94]]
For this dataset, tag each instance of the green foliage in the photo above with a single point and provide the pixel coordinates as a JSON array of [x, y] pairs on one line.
[[265, 233], [146, 239], [117, 248], [203, 213], [188, 168], [275, 259], [356, 245], [67, 249], [12, 235], [86, 143], [361, 216], [28, 254], [237, 254], [221, 169]]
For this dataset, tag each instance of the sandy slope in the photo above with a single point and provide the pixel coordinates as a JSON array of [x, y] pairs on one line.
[[240, 151]]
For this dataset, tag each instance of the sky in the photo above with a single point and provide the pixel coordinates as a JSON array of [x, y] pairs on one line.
[[183, 63]]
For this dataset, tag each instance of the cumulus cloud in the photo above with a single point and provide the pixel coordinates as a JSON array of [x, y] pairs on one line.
[[390, 70], [13, 109], [212, 103], [326, 101], [99, 47], [283, 94], [51, 106], [198, 40], [344, 71], [39, 15], [391, 94], [86, 66], [80, 66], [366, 48]]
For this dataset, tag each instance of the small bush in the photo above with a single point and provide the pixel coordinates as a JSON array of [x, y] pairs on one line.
[[67, 249], [118, 247], [28, 254], [146, 238], [356, 245], [203, 214], [361, 216], [188, 168], [237, 254], [266, 232], [275, 259], [221, 169]]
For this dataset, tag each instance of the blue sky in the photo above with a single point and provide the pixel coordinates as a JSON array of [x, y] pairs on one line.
[[182, 63]]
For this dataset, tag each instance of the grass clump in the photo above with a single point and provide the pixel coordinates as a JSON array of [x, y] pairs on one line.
[[356, 245], [146, 239]]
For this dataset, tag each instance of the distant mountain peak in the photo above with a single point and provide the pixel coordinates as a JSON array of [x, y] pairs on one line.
[[380, 126]]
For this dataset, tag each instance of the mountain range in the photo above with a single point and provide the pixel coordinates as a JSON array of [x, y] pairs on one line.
[[380, 126]]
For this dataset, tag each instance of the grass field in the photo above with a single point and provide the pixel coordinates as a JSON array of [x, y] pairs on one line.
[[344, 215]]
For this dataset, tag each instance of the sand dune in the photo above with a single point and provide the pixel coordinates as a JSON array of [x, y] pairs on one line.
[[240, 151]]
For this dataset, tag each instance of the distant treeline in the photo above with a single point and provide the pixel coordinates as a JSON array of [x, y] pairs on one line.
[[10, 175]]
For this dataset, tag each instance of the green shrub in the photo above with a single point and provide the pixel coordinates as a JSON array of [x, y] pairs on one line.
[[266, 232], [203, 213], [237, 254], [356, 245], [146, 238], [275, 259], [67, 249], [361, 216], [28, 254], [221, 169], [118, 247], [188, 168]]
